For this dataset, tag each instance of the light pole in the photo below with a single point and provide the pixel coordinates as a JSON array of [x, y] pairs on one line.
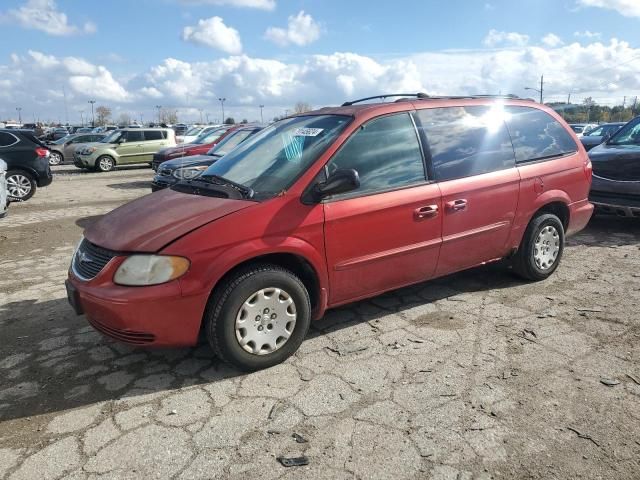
[[141, 122], [19, 110], [82, 117], [159, 107], [93, 118], [200, 116], [541, 90], [207, 115], [222, 100], [261, 117]]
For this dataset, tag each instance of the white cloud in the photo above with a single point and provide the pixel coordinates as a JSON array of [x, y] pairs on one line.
[[34, 80], [587, 34], [552, 40], [301, 30], [212, 32], [259, 4], [628, 8], [44, 15], [496, 38]]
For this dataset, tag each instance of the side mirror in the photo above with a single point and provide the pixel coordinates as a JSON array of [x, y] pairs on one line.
[[122, 140], [340, 181]]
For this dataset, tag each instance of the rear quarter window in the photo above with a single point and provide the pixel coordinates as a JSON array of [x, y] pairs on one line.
[[153, 135], [6, 139], [466, 141], [537, 135]]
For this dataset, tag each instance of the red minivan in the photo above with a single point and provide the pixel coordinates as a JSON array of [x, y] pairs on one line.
[[329, 207]]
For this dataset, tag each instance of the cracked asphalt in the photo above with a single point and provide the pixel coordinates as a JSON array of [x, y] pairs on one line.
[[474, 376]]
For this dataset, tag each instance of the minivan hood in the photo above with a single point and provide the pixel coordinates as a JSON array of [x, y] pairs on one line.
[[153, 221]]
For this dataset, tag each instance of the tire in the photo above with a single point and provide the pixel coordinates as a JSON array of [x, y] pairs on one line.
[[20, 185], [105, 163], [537, 261], [55, 158], [223, 317]]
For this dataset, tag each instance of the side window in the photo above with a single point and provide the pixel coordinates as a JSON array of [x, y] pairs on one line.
[[385, 152], [134, 136], [153, 135], [466, 141], [6, 139], [537, 135], [628, 135]]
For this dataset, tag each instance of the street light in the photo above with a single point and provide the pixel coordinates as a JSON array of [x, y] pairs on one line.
[[93, 118], [19, 110], [261, 118], [82, 117], [541, 90], [200, 116], [159, 107], [222, 100]]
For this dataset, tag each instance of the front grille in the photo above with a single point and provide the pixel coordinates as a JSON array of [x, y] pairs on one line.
[[165, 172], [158, 158], [90, 259], [125, 336]]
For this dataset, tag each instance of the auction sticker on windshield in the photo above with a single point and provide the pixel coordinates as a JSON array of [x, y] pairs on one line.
[[307, 132]]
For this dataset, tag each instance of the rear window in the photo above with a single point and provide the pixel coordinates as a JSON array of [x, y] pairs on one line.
[[153, 135], [466, 141], [6, 139], [537, 135]]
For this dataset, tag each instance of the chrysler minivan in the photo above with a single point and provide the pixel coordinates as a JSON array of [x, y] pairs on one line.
[[329, 207]]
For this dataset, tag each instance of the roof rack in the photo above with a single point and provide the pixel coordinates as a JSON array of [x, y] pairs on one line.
[[424, 96], [382, 97]]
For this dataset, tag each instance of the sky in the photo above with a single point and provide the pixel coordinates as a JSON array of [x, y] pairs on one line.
[[131, 55]]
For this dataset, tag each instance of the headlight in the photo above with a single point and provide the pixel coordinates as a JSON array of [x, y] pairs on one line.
[[150, 270], [189, 172], [89, 150]]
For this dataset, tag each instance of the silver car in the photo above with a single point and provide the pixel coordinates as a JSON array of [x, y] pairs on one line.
[[4, 201]]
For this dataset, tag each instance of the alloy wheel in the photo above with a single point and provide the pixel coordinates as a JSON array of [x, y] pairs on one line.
[[18, 186]]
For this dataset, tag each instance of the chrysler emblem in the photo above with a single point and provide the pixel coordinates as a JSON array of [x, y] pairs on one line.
[[84, 258]]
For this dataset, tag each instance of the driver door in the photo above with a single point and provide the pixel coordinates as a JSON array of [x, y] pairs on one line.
[[388, 232], [132, 150]]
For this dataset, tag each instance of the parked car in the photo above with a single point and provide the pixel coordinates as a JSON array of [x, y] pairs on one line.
[[580, 128], [329, 207], [596, 135], [200, 145], [180, 129], [27, 161], [57, 134], [122, 147], [173, 171], [4, 200], [194, 132], [616, 172], [62, 150]]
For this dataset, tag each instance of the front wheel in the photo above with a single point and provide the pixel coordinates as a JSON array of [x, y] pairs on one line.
[[105, 164], [258, 317], [20, 185], [541, 248]]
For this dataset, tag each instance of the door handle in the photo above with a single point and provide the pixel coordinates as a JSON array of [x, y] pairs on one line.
[[456, 205], [427, 211]]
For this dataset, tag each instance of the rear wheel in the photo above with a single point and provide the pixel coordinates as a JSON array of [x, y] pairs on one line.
[[55, 158], [20, 185], [541, 248], [259, 317], [104, 163]]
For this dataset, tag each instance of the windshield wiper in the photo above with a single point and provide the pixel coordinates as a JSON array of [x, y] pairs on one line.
[[246, 192]]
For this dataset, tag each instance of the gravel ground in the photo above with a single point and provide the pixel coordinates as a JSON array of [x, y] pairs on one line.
[[476, 375]]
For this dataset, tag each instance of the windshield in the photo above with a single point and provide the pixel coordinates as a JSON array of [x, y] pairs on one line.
[[272, 160], [193, 131], [210, 136], [596, 132], [577, 128], [230, 142], [113, 137], [627, 135]]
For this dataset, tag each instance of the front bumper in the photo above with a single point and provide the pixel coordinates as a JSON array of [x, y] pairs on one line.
[[160, 182], [84, 161], [156, 316], [615, 197]]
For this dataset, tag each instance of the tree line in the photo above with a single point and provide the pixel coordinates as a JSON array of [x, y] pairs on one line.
[[590, 112]]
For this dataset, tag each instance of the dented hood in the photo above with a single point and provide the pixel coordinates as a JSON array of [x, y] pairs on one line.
[[153, 221]]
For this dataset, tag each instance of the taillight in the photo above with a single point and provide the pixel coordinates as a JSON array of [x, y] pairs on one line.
[[588, 169], [42, 152]]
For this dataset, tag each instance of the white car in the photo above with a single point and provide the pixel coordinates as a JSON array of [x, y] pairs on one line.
[[4, 201], [194, 132], [582, 128]]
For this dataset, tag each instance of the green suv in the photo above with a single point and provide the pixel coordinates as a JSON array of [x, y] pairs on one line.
[[123, 147]]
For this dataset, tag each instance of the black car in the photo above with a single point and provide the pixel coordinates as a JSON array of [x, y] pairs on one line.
[[27, 161], [595, 136], [616, 172], [186, 168]]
